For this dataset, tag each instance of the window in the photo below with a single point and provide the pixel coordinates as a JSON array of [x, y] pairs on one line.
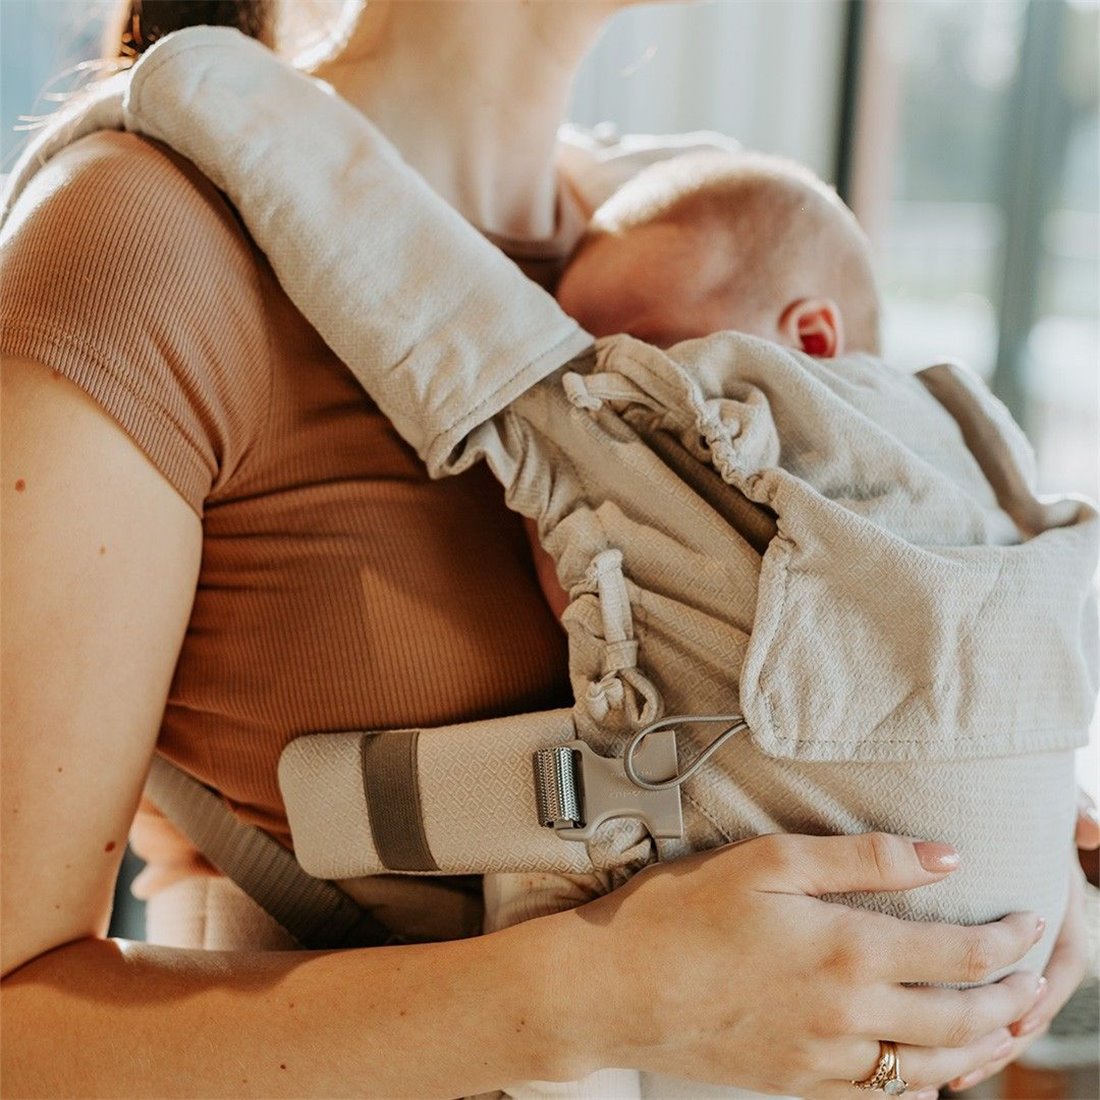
[[976, 175]]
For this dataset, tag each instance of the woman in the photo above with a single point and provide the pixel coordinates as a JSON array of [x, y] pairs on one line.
[[239, 551]]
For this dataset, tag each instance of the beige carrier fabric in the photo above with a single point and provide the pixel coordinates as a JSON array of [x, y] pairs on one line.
[[214, 914], [905, 659]]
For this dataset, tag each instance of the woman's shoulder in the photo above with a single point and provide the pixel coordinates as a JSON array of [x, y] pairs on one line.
[[99, 174], [126, 270], [129, 206]]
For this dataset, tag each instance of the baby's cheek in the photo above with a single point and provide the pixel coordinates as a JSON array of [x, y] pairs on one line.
[[596, 307], [575, 291]]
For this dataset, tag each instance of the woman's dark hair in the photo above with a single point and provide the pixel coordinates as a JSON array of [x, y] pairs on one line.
[[144, 21]]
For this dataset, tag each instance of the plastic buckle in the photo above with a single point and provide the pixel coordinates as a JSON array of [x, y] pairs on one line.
[[577, 790]]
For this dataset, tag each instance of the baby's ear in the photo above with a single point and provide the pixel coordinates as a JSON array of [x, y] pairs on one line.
[[814, 325]]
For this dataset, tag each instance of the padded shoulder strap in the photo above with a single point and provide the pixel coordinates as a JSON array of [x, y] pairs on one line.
[[439, 327], [317, 913]]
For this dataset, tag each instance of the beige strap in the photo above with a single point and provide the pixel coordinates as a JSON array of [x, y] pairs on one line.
[[317, 913], [460, 801], [985, 439]]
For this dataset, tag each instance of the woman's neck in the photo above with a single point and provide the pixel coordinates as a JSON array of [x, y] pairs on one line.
[[472, 94]]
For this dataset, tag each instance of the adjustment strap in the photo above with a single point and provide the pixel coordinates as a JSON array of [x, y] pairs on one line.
[[391, 786], [317, 913]]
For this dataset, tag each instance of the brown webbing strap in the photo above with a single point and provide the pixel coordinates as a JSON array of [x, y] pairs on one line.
[[392, 789], [316, 912]]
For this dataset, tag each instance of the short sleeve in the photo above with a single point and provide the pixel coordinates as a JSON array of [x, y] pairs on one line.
[[124, 270]]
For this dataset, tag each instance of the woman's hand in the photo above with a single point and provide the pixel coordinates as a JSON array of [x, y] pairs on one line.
[[729, 968], [1067, 962], [1063, 975], [1088, 823]]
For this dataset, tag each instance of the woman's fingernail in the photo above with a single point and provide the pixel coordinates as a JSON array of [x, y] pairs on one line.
[[1041, 987], [961, 1083], [1040, 928], [934, 857], [1026, 1027], [1003, 1050], [927, 1094]]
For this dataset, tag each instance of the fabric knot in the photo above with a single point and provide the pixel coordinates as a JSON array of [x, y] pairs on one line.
[[713, 434], [620, 655], [603, 696], [643, 693], [605, 567], [577, 392]]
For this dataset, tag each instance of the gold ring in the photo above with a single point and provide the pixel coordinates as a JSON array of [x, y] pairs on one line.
[[886, 1076]]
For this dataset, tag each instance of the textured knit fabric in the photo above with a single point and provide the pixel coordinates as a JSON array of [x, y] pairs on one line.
[[914, 651], [340, 588]]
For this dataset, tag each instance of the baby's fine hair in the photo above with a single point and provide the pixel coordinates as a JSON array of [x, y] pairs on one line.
[[788, 234]]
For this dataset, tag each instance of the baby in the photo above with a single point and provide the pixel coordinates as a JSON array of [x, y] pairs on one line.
[[710, 242], [692, 246], [716, 241]]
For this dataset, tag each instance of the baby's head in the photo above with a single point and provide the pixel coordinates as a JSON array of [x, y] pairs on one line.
[[715, 241]]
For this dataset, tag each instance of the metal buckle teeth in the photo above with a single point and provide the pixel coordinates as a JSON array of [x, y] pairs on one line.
[[557, 796]]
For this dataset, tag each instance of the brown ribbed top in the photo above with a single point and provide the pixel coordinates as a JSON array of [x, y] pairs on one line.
[[340, 589]]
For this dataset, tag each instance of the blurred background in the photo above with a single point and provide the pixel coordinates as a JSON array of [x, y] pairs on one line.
[[964, 133]]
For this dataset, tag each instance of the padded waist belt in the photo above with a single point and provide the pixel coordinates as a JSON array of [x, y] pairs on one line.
[[453, 799], [506, 794]]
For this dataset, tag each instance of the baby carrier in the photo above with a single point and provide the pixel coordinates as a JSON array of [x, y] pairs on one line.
[[806, 596]]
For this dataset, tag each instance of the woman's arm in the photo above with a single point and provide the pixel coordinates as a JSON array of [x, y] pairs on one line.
[[99, 562], [704, 968], [100, 558]]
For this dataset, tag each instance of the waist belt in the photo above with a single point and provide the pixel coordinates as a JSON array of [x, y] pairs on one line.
[[520, 793]]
